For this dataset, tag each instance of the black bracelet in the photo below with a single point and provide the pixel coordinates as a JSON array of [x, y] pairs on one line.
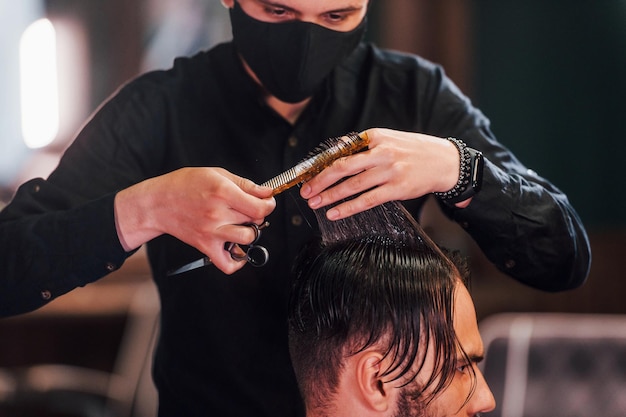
[[470, 175]]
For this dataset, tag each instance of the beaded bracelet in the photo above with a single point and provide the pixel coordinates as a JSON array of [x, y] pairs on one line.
[[465, 172]]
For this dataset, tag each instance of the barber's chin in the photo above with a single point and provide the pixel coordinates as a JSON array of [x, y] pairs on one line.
[[289, 111], [269, 97]]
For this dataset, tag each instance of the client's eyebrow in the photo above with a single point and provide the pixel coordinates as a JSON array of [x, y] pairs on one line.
[[473, 358], [476, 358]]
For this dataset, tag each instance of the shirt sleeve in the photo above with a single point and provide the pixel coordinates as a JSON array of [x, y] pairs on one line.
[[58, 234], [523, 223], [51, 245]]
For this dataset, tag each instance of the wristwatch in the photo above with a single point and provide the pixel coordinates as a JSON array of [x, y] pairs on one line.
[[470, 175]]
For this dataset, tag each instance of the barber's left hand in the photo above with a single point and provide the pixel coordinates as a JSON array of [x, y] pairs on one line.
[[397, 166]]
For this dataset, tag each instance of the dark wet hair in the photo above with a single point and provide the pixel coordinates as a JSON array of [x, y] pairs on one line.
[[374, 279]]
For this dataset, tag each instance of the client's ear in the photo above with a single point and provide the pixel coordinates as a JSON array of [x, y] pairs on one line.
[[370, 383]]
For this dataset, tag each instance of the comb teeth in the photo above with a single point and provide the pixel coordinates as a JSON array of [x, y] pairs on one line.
[[290, 177], [328, 151], [282, 179]]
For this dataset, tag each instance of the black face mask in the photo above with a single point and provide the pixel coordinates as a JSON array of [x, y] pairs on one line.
[[291, 59]]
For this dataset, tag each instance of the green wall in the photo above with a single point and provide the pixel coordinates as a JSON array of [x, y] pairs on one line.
[[551, 76]]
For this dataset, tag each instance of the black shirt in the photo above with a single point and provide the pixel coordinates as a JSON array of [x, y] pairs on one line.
[[223, 347]]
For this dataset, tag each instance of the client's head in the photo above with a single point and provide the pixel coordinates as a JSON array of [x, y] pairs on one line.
[[381, 323]]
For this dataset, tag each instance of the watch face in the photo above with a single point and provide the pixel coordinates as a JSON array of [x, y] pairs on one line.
[[476, 179]]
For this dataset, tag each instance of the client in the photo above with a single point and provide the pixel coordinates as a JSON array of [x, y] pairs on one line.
[[381, 323]]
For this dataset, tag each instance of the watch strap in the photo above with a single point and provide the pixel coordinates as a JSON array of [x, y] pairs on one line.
[[470, 175]]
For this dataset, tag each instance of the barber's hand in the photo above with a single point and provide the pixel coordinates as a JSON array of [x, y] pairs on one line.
[[203, 207], [397, 166]]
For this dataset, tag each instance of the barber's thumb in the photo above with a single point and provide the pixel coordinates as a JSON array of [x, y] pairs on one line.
[[250, 187]]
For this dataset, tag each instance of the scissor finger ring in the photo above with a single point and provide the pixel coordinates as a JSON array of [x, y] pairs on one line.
[[255, 255], [257, 231]]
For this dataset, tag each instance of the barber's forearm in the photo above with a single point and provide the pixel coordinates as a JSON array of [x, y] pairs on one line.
[[133, 208]]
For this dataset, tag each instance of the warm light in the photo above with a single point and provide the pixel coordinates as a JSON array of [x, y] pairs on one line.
[[39, 85]]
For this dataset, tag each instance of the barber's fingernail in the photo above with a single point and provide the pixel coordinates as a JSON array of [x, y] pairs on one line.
[[305, 191], [333, 214], [315, 201]]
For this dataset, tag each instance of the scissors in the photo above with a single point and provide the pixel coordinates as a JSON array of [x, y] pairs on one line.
[[255, 255]]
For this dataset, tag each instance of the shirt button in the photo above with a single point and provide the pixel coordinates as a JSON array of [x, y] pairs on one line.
[[36, 188], [464, 225], [293, 141], [110, 266], [296, 220], [46, 295], [509, 264]]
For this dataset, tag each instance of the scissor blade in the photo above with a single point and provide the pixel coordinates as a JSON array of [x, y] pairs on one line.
[[199, 263]]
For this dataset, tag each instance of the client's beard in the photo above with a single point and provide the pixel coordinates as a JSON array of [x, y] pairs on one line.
[[411, 403]]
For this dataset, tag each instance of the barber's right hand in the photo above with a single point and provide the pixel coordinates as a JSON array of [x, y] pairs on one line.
[[203, 207]]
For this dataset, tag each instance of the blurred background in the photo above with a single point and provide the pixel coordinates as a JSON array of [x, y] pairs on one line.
[[550, 75]]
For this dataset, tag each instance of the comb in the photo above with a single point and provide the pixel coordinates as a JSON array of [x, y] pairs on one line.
[[320, 158]]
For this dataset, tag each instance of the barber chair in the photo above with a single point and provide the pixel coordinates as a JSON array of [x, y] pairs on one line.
[[60, 390], [555, 365]]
